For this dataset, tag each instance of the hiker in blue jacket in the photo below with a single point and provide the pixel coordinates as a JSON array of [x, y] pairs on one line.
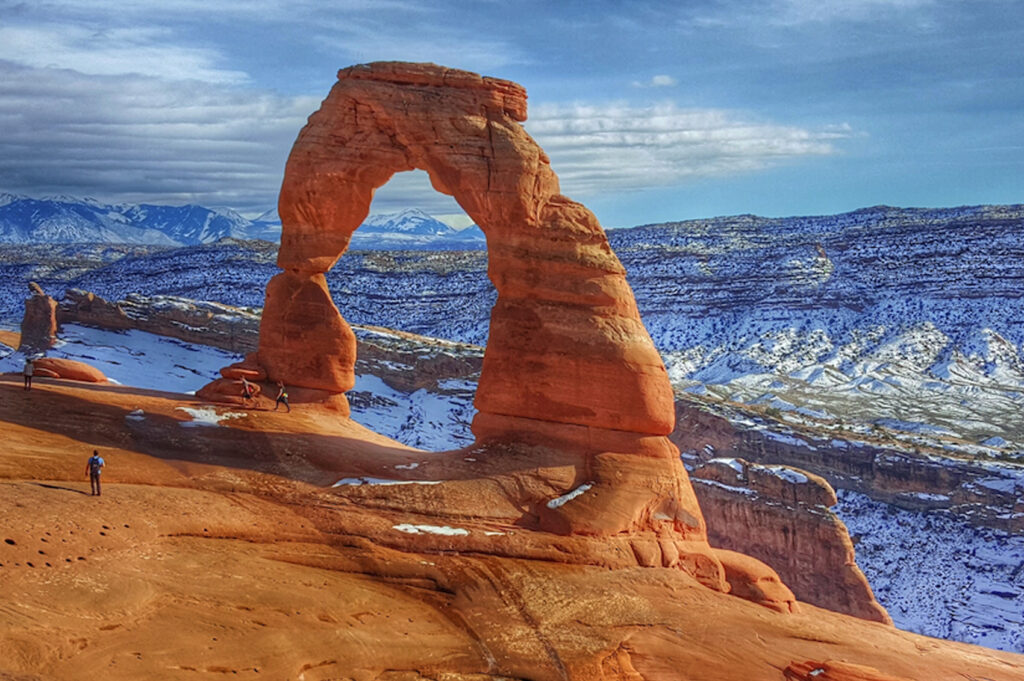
[[93, 469]]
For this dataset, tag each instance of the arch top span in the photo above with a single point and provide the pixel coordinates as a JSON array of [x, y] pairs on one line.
[[566, 344], [498, 94]]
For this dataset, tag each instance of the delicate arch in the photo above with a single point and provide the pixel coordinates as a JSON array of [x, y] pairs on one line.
[[566, 343]]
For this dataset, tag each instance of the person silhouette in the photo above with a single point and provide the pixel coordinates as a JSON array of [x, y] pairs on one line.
[[93, 469], [282, 397]]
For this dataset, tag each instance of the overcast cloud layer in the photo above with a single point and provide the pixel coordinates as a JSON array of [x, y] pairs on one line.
[[647, 111]]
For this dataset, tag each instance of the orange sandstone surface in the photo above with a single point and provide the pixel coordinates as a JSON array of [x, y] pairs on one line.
[[225, 550]]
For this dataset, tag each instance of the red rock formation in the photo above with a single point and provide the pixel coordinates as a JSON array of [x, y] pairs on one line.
[[304, 340], [781, 516], [569, 364], [39, 325], [70, 369], [574, 403], [915, 480], [564, 310], [752, 580]]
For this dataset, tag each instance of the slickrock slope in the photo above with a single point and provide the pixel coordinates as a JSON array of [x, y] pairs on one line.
[[224, 550]]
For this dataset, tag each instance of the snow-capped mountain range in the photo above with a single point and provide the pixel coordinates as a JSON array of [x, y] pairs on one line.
[[63, 219], [413, 229]]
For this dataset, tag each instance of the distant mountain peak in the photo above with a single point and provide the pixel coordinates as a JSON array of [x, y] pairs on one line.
[[412, 221], [67, 219]]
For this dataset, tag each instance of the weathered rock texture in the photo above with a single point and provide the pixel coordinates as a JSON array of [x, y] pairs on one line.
[[977, 490], [566, 342], [39, 325], [781, 516], [227, 553]]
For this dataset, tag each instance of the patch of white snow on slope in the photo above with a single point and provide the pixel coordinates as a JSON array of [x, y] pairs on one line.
[[206, 416], [421, 419], [137, 358], [569, 496], [431, 529], [940, 576], [382, 481]]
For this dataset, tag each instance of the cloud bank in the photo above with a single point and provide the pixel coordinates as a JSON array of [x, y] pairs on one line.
[[620, 147], [142, 138]]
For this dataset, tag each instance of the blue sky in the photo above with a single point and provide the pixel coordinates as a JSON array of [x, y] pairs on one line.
[[650, 111]]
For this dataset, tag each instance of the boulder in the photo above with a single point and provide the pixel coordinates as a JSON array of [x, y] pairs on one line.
[[70, 369], [752, 580]]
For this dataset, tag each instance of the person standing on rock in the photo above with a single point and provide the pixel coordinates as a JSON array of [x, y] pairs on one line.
[[248, 391], [282, 397], [93, 469], [28, 371]]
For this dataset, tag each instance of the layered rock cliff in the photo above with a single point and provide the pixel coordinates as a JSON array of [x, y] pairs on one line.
[[781, 516], [920, 477]]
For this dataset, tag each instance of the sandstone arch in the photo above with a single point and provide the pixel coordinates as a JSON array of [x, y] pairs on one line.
[[574, 403], [566, 342]]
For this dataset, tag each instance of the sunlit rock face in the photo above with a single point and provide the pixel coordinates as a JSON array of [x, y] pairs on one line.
[[574, 403], [566, 342]]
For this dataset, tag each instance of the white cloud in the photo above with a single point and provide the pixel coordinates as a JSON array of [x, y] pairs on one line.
[[137, 138], [142, 50], [802, 12], [820, 11], [373, 38], [128, 138], [133, 138], [660, 80], [620, 147]]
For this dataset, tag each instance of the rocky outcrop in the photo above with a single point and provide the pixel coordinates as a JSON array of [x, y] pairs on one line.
[[834, 670], [72, 370], [404, 361], [781, 516], [985, 492], [39, 325], [755, 581], [222, 326]]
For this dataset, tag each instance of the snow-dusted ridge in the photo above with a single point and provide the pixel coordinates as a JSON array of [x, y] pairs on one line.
[[68, 219]]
